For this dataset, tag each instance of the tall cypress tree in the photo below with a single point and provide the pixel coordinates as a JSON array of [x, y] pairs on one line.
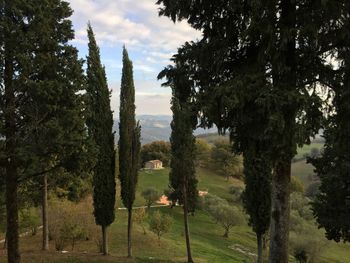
[[100, 125], [129, 142], [257, 193], [182, 177]]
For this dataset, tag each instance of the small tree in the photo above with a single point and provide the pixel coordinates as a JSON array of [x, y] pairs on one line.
[[139, 218], [160, 224], [202, 152], [151, 195], [227, 216], [296, 185]]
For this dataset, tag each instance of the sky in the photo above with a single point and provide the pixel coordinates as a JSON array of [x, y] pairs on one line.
[[151, 41]]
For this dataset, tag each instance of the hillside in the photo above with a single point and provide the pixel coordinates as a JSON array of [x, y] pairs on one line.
[[156, 128], [207, 242]]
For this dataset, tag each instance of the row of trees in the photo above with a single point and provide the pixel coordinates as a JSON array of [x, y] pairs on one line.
[[272, 73], [55, 121]]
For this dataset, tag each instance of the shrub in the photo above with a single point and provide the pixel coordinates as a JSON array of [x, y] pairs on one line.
[[297, 186], [227, 216], [151, 195], [71, 222], [139, 218], [160, 224], [29, 219]]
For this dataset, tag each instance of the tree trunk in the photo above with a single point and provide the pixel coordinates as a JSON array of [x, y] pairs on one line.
[[280, 214], [226, 233], [44, 215], [104, 240], [129, 232], [187, 233], [259, 238], [11, 174], [12, 234], [5, 243]]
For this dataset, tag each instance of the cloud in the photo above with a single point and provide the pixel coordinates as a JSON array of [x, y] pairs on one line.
[[151, 41]]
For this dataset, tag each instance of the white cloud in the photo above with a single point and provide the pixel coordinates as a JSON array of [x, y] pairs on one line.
[[150, 39], [135, 23]]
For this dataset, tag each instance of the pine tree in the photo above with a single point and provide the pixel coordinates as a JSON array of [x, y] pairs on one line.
[[182, 177], [100, 124], [129, 142]]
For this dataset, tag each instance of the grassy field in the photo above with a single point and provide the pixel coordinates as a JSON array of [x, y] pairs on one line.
[[208, 245]]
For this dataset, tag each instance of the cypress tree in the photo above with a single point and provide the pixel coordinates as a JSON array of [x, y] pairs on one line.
[[100, 124], [257, 193], [331, 206], [129, 142], [182, 177]]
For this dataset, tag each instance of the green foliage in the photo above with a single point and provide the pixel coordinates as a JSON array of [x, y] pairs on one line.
[[71, 222], [29, 219], [332, 204], [227, 216], [224, 160], [182, 176], [151, 195], [202, 152], [296, 185], [257, 194], [129, 135], [100, 124], [160, 224], [236, 193], [139, 218], [158, 150]]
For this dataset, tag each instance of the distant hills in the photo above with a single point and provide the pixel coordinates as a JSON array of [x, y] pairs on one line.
[[156, 127]]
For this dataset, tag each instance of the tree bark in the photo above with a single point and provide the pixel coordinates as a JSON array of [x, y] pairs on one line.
[[129, 232], [44, 215], [280, 214], [187, 232], [104, 240], [259, 238]]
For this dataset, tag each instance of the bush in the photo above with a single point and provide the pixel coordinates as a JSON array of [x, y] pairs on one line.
[[227, 216], [160, 224], [297, 186], [139, 218], [29, 219], [236, 193], [151, 195], [71, 222]]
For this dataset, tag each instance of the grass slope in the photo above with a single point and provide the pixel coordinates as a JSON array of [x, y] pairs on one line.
[[208, 245]]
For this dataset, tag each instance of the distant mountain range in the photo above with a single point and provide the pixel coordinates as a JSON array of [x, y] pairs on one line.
[[156, 127]]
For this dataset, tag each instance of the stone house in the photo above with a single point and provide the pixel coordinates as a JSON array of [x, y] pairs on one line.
[[154, 164]]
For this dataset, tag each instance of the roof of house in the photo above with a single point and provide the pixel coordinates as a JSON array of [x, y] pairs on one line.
[[154, 161]]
